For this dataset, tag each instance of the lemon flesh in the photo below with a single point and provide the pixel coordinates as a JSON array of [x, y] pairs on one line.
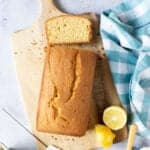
[[115, 117]]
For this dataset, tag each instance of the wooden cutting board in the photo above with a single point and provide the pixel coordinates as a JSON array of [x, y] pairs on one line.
[[28, 50]]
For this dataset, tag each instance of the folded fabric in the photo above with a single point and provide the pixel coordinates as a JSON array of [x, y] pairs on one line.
[[125, 31]]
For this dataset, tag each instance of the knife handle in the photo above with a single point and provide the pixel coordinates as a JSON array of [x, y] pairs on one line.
[[132, 133]]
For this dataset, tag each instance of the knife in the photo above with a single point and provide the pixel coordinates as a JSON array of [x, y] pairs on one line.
[[48, 147]]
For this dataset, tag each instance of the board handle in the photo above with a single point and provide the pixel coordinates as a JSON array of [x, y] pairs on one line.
[[54, 9]]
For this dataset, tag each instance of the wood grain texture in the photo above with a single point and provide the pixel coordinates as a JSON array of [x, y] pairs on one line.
[[28, 50]]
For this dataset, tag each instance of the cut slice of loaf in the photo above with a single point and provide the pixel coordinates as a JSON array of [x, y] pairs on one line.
[[69, 29]]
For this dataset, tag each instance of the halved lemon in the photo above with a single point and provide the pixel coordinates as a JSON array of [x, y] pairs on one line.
[[115, 117]]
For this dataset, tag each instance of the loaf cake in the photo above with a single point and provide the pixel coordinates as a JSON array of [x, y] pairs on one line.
[[68, 29], [66, 91]]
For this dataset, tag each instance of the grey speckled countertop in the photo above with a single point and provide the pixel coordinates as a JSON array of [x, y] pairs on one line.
[[15, 15]]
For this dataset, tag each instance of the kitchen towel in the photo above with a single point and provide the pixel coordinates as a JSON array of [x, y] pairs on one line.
[[125, 31]]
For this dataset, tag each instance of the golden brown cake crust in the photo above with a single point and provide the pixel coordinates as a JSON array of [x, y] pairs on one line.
[[85, 38], [66, 91]]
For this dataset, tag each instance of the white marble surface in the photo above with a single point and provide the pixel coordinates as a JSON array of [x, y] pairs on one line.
[[15, 15]]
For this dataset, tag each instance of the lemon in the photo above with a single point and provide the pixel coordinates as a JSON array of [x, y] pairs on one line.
[[115, 117], [105, 136]]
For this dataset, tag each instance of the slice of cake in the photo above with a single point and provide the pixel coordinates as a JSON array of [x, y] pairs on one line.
[[69, 29]]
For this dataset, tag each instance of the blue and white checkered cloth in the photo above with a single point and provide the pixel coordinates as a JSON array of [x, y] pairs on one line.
[[125, 31]]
